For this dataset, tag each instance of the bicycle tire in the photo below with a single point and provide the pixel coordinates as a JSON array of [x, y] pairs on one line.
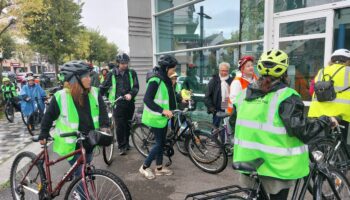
[[92, 181], [9, 112], [24, 118], [199, 153], [108, 151], [38, 173], [340, 183], [37, 120], [324, 145], [142, 138]]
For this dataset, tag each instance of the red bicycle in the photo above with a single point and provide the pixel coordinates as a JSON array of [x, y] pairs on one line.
[[31, 176]]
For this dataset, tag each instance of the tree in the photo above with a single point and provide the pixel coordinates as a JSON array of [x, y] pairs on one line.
[[25, 53], [53, 31]]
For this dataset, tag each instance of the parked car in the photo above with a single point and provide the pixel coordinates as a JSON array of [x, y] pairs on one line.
[[21, 76]]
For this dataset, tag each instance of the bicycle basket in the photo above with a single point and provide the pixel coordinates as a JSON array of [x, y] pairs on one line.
[[99, 138], [228, 192]]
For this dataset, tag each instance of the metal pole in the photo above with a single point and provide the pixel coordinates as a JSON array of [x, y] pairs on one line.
[[201, 66]]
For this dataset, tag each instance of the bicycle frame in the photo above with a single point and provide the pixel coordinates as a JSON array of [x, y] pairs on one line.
[[44, 156]]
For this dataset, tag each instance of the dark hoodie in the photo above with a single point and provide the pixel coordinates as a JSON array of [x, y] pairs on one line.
[[292, 113], [153, 88]]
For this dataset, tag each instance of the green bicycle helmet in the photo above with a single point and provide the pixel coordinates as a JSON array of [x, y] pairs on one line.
[[273, 63], [5, 79]]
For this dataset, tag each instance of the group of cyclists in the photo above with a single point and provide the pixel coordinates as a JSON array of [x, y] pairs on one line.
[[268, 117]]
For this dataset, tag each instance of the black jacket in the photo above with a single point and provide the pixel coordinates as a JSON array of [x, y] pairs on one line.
[[153, 88], [123, 83], [212, 99], [293, 115]]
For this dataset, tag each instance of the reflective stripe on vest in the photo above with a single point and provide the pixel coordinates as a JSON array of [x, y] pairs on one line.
[[273, 150], [150, 117], [113, 89], [340, 106]]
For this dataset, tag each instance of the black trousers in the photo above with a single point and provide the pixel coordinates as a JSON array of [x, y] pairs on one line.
[[123, 114]]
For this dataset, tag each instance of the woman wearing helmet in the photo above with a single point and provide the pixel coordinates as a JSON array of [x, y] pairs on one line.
[[271, 125], [77, 107], [240, 83], [159, 101], [339, 68]]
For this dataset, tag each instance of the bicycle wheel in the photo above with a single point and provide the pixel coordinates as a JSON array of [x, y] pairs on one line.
[[206, 152], [108, 151], [142, 138], [29, 188], [9, 112], [100, 184], [338, 181], [24, 118], [34, 127]]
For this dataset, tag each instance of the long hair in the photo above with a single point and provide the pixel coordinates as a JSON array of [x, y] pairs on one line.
[[77, 92], [266, 83]]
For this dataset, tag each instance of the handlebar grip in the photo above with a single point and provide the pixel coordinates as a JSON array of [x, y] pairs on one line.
[[69, 134]]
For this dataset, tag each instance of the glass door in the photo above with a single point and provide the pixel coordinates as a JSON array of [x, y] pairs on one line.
[[308, 40]]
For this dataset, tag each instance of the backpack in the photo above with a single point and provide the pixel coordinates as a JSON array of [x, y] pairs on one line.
[[324, 90]]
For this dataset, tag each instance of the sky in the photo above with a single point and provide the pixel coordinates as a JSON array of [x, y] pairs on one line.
[[110, 18]]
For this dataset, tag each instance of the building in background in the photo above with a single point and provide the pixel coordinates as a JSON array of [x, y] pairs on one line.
[[203, 33]]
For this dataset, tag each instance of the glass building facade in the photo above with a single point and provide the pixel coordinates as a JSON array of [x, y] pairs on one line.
[[203, 33]]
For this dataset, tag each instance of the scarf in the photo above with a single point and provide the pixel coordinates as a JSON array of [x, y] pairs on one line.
[[225, 88]]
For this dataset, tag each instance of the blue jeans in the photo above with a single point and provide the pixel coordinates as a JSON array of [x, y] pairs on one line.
[[157, 149], [77, 172], [216, 123]]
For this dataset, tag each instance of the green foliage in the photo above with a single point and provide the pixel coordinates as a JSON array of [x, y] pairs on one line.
[[8, 45], [54, 32]]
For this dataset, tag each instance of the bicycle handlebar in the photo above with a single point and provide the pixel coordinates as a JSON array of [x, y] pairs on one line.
[[69, 134]]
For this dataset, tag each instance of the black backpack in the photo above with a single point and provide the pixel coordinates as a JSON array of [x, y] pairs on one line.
[[324, 90]]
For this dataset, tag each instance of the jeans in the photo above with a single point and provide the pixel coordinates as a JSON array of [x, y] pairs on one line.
[[77, 172], [216, 123], [157, 149]]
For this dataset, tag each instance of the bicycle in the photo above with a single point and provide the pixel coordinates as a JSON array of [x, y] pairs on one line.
[[227, 138], [203, 149], [107, 151], [35, 117], [321, 172], [33, 178], [9, 108]]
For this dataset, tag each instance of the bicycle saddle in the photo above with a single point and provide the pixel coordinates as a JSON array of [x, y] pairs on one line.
[[250, 166], [222, 114]]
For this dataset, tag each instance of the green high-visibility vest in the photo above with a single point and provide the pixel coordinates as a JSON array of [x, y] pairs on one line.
[[113, 89], [260, 133], [150, 117], [9, 88], [102, 78], [68, 121]]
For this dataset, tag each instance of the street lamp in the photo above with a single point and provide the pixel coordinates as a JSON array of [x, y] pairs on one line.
[[202, 15]]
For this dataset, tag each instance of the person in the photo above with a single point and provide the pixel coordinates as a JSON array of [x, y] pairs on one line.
[[339, 66], [217, 94], [30, 93], [77, 107], [103, 75], [28, 74], [9, 91], [271, 124], [94, 76], [159, 100], [122, 81], [240, 83], [191, 81], [176, 86], [111, 66]]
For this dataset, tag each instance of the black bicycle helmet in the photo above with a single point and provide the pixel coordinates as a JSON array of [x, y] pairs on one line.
[[122, 58], [74, 68], [167, 61]]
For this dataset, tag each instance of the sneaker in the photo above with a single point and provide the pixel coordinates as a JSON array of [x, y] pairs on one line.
[[147, 173], [128, 147], [122, 152], [164, 171]]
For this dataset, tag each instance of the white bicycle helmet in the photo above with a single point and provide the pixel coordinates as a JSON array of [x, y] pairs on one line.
[[340, 55]]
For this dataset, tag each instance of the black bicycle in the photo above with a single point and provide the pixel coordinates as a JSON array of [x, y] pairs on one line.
[[107, 151], [34, 119], [205, 151], [9, 108], [323, 182]]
